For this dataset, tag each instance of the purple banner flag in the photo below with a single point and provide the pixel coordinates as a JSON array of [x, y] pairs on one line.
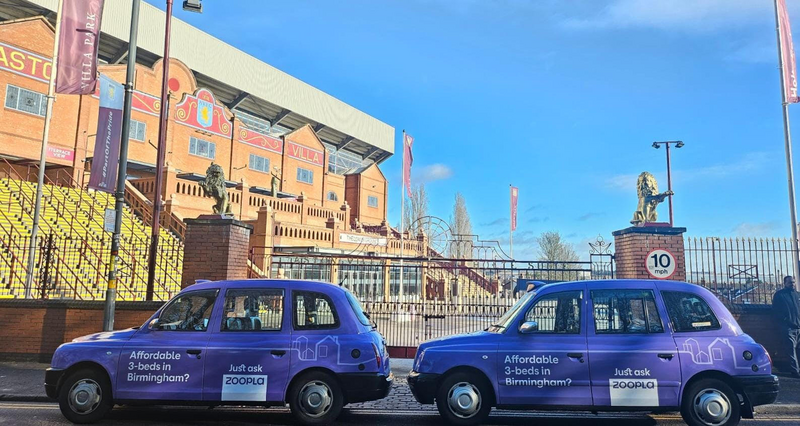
[[109, 136], [77, 52]]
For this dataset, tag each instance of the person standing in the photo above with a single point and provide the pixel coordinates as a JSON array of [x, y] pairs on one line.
[[786, 306]]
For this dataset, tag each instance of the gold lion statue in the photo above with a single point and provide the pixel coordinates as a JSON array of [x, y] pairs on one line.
[[649, 199], [214, 185]]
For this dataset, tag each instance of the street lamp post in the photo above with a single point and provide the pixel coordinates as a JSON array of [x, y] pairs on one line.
[[678, 144], [192, 6]]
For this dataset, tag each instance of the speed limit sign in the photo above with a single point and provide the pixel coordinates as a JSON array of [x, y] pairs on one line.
[[660, 264]]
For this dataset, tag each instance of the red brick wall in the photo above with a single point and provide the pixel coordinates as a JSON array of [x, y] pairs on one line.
[[33, 329], [215, 249], [632, 249]]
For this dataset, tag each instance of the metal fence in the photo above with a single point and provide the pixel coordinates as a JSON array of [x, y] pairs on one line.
[[439, 296], [739, 270]]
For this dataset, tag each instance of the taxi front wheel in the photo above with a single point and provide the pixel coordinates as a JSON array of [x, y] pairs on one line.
[[710, 402], [85, 396], [463, 399], [316, 399]]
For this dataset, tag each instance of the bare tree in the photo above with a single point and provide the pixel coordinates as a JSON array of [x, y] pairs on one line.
[[461, 226], [416, 207], [553, 248]]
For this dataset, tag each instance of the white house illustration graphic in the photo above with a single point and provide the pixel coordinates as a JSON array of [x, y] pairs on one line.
[[717, 351], [328, 346]]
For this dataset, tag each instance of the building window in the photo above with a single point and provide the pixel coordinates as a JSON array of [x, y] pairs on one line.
[[332, 196], [259, 164], [372, 201], [304, 175], [137, 131], [23, 100], [202, 148]]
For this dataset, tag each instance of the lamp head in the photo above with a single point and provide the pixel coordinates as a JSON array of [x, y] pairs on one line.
[[679, 144], [656, 145], [193, 6]]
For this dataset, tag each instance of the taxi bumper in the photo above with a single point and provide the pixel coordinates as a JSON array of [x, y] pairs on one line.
[[366, 387], [423, 386], [51, 378], [759, 390]]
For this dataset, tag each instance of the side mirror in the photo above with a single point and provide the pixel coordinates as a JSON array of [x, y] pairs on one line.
[[529, 327], [154, 325]]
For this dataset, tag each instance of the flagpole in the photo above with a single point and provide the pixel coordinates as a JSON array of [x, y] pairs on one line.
[[402, 216], [37, 211], [511, 222], [787, 136]]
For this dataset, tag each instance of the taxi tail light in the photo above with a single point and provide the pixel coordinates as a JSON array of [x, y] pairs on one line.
[[377, 356], [769, 357]]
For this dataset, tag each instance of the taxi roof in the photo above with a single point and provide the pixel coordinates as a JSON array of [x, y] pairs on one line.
[[261, 282]]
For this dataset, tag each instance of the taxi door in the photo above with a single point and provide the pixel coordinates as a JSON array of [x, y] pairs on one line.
[[164, 360], [542, 357], [633, 358], [248, 352]]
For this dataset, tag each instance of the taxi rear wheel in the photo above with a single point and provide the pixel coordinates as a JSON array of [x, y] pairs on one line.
[[463, 399], [710, 402], [85, 396], [316, 399]]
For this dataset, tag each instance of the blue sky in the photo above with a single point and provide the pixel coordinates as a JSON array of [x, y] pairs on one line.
[[562, 99]]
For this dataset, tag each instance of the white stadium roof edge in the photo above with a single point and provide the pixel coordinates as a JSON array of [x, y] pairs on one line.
[[237, 78]]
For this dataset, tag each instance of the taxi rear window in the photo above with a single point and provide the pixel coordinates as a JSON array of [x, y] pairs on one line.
[[357, 309], [689, 312], [313, 311]]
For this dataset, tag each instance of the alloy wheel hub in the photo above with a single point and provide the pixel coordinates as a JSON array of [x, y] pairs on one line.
[[464, 399], [712, 407], [315, 398], [84, 396]]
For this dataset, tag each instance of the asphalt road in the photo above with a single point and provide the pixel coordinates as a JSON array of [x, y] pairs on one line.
[[48, 414]]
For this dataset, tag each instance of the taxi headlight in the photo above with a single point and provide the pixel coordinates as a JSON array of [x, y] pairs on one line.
[[419, 360]]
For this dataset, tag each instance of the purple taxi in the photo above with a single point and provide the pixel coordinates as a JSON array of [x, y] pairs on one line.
[[251, 342], [619, 345]]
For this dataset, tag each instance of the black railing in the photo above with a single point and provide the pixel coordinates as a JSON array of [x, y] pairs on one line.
[[739, 270]]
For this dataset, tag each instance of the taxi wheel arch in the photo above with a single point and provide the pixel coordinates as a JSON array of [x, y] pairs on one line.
[[302, 373], [90, 365], [473, 371], [718, 375]]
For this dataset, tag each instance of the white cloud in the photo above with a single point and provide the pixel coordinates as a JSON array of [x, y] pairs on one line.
[[751, 162], [763, 229], [433, 172], [688, 15]]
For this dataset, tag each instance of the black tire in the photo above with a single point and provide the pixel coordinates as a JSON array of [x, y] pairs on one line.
[[471, 384], [716, 390], [316, 383], [90, 391]]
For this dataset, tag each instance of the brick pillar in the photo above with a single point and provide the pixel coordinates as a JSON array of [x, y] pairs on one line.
[[216, 248], [634, 244]]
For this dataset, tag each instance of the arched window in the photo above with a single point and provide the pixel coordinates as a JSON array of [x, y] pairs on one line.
[[332, 196]]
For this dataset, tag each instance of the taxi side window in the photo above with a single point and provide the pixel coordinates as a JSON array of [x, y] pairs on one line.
[[253, 310], [188, 312], [557, 313], [625, 312], [313, 311], [689, 312]]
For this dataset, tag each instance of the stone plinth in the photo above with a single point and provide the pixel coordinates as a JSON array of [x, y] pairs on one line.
[[216, 249], [634, 245]]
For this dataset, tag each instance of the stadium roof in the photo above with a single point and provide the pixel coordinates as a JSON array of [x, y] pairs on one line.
[[238, 79]]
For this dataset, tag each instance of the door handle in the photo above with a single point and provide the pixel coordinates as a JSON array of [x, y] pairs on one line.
[[576, 355], [195, 352], [666, 356], [278, 353]]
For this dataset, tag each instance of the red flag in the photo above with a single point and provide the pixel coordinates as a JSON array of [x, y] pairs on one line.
[[408, 160], [787, 54], [77, 51], [514, 194]]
